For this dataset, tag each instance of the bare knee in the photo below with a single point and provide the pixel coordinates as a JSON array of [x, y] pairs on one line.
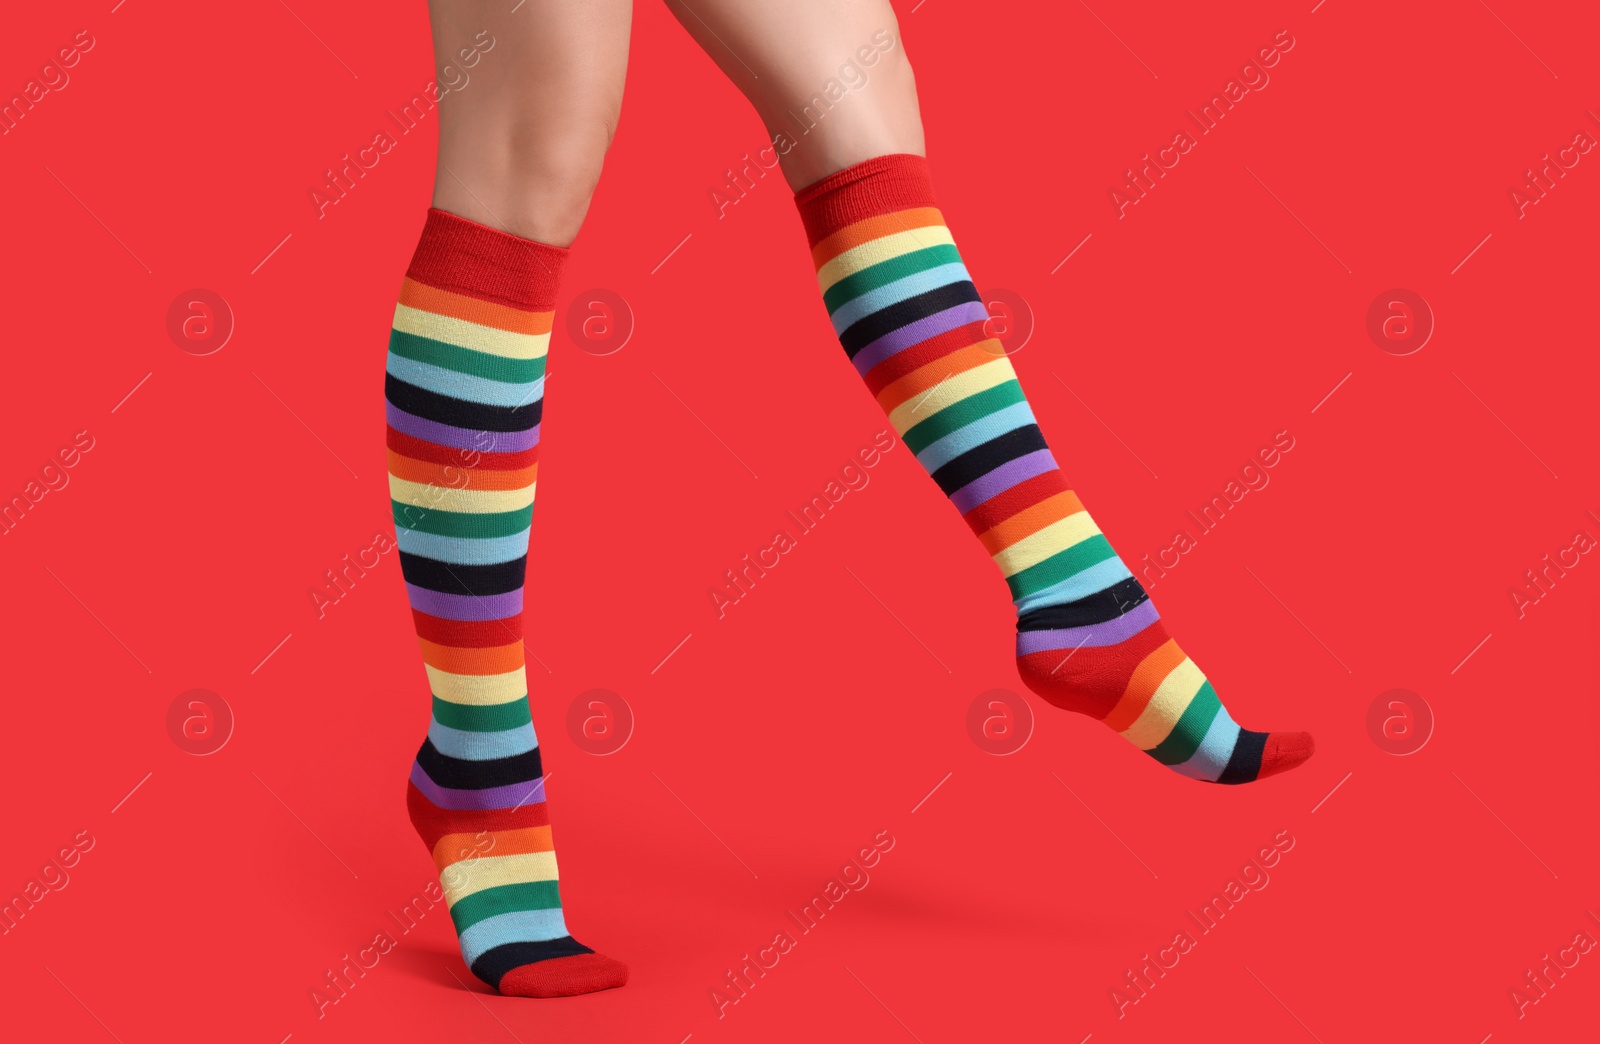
[[532, 178], [862, 111]]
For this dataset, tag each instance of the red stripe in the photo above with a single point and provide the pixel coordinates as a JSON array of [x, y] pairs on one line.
[[1023, 495], [467, 460], [465, 257], [468, 634], [919, 355], [872, 188], [433, 822], [1094, 680]]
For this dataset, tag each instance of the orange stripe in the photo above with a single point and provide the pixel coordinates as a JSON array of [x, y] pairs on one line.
[[1031, 520], [452, 476], [1147, 678], [868, 229], [496, 659], [491, 843], [924, 378], [485, 313]]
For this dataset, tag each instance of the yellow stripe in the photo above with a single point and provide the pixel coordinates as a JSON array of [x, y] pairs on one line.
[[464, 501], [968, 382], [1172, 697], [1052, 539], [475, 336], [480, 690], [881, 249], [464, 878]]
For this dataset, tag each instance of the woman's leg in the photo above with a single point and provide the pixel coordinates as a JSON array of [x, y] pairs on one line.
[[832, 82], [521, 143]]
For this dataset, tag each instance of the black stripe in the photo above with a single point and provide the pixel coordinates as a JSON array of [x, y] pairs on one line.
[[459, 774], [1245, 764], [492, 965], [450, 578], [459, 413], [869, 328], [1119, 598], [980, 460]]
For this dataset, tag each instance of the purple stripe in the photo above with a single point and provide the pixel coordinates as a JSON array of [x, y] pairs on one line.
[[460, 438], [915, 333], [465, 607], [515, 795], [1020, 469], [1095, 636]]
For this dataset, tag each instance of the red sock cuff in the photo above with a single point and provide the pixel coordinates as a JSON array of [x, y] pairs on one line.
[[871, 188], [465, 257]]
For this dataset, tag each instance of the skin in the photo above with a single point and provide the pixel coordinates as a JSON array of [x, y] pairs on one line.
[[522, 145]]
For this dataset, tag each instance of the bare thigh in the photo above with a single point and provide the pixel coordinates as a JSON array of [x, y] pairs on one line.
[[524, 128], [829, 78]]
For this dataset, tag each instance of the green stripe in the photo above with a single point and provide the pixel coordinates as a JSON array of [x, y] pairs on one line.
[[474, 717], [525, 895], [461, 523], [1184, 740], [885, 272], [962, 412], [1075, 559], [465, 360]]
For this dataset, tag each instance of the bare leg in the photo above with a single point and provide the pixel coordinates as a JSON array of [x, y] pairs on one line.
[[522, 141], [783, 54]]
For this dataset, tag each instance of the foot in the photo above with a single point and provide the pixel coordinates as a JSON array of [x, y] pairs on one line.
[[498, 871], [1108, 656]]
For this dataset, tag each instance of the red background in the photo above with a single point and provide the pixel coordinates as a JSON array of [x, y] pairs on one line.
[[1208, 318]]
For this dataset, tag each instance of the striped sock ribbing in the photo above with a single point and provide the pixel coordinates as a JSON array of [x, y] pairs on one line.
[[465, 391], [1088, 637]]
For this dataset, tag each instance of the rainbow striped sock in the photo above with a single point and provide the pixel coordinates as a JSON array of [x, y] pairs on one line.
[[1088, 637], [465, 388]]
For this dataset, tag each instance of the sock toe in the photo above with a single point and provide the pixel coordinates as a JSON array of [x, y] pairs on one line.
[[564, 976], [1285, 750]]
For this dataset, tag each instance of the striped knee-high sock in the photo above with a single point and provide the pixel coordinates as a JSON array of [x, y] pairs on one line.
[[1088, 637], [465, 387]]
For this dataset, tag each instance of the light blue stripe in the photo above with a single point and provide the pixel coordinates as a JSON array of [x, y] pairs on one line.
[[463, 550], [482, 746], [897, 291], [1211, 757], [464, 385], [517, 926], [940, 452], [1093, 580]]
